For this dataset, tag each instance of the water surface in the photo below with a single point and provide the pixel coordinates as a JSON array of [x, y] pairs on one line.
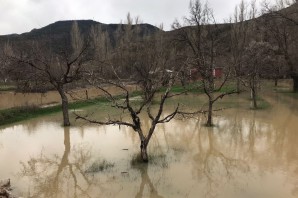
[[247, 154]]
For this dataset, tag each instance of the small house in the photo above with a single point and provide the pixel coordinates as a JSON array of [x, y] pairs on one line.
[[195, 75], [218, 72]]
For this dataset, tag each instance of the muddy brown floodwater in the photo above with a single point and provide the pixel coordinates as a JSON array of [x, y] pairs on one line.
[[10, 99], [249, 154]]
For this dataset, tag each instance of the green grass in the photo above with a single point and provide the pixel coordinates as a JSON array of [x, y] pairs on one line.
[[17, 114], [9, 116], [197, 87], [227, 88], [192, 88], [12, 115], [7, 87], [261, 104]]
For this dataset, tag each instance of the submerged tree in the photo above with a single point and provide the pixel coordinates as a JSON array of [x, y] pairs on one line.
[[257, 63], [240, 36], [42, 66], [205, 50], [153, 74]]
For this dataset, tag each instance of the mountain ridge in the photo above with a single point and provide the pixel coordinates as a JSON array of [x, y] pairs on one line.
[[64, 26], [59, 32]]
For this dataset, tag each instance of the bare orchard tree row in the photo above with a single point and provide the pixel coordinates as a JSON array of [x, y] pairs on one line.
[[258, 59]]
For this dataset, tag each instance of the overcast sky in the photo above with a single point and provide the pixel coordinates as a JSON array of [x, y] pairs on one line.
[[18, 16]]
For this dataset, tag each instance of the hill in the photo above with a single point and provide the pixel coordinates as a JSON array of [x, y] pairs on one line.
[[59, 32]]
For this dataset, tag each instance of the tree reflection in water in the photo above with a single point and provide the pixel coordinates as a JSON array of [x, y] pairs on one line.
[[248, 154], [213, 164], [146, 181], [60, 177], [247, 157]]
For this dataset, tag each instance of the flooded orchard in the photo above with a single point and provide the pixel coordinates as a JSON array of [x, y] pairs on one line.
[[11, 99], [247, 154]]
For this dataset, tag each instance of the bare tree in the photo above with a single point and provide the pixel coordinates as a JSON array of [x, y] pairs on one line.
[[257, 63], [57, 68], [205, 49], [151, 63], [4, 64], [275, 10], [239, 37]]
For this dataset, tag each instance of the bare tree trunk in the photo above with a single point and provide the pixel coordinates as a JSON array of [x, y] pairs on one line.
[[254, 97], [238, 81], [238, 86], [210, 109], [295, 83], [144, 154], [64, 106], [275, 82], [292, 73]]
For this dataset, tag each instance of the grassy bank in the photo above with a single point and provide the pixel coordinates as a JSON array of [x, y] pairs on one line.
[[197, 87], [262, 104], [8, 116], [12, 115], [7, 87]]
